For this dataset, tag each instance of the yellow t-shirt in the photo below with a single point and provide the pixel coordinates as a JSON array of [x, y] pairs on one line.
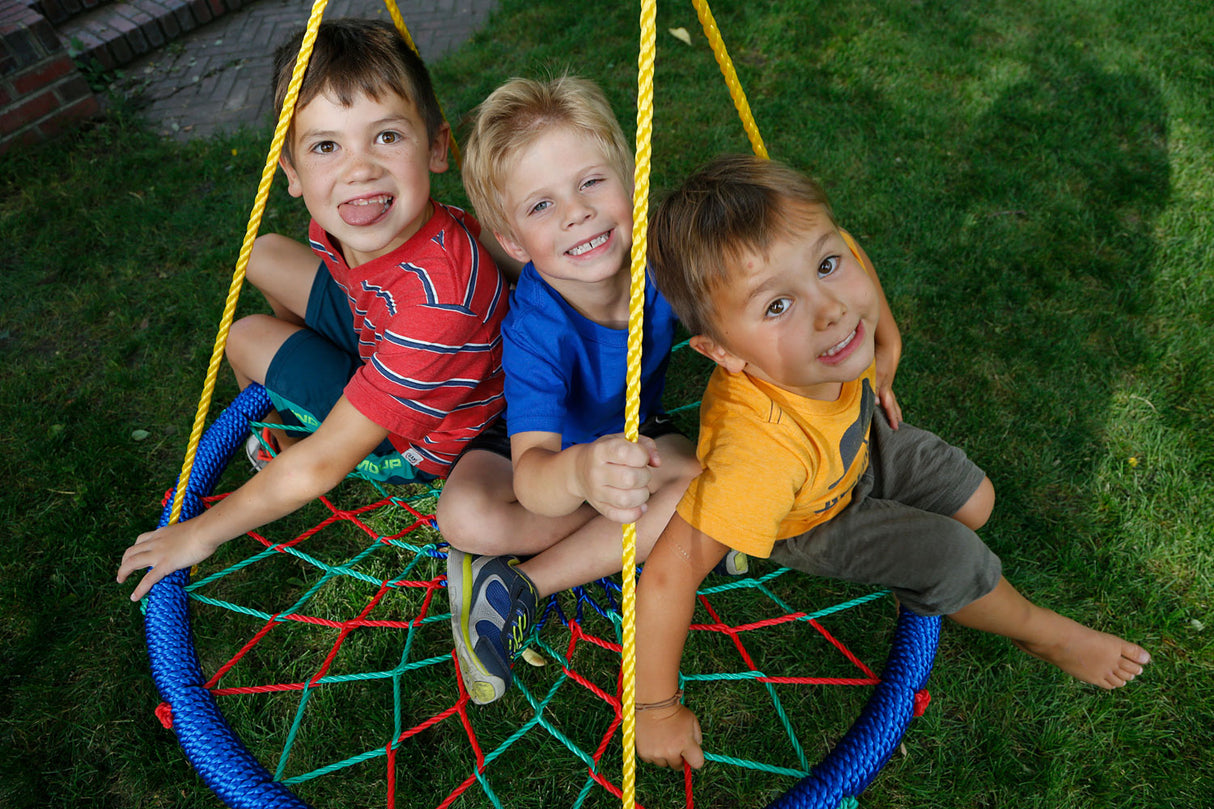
[[775, 464]]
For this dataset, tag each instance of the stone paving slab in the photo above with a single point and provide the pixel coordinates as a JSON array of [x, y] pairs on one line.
[[217, 77]]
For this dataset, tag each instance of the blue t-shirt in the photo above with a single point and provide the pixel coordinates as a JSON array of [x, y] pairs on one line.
[[565, 373]]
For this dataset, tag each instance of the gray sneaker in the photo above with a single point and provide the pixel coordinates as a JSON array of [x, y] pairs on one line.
[[260, 449], [735, 563], [492, 612]]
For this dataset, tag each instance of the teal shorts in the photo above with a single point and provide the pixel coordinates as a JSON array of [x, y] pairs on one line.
[[309, 373]]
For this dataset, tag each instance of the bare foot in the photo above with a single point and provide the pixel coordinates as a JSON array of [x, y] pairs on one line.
[[1088, 655]]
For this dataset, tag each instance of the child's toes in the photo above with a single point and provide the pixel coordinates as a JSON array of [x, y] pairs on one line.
[[1137, 654]]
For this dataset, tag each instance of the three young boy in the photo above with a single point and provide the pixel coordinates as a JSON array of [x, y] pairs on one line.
[[387, 338]]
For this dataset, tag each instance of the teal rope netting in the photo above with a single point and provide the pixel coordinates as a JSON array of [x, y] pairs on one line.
[[343, 665]]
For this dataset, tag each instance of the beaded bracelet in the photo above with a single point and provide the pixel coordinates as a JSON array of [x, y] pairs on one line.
[[666, 703]]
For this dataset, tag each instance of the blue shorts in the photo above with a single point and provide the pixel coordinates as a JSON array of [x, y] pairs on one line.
[[310, 370]]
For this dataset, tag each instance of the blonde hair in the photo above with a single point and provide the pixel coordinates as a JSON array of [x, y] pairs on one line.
[[733, 207], [518, 112], [353, 57]]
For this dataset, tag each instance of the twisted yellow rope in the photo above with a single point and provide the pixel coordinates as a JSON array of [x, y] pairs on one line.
[[254, 225], [640, 221], [632, 406], [242, 261], [731, 77]]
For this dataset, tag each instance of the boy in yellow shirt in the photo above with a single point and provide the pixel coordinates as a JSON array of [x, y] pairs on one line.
[[799, 462]]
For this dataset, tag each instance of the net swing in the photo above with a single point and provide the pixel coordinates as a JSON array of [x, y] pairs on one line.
[[352, 632]]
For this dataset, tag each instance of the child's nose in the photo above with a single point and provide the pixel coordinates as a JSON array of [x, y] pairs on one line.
[[362, 165], [827, 311], [577, 212]]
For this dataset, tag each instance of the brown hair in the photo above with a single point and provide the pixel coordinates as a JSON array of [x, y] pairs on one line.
[[734, 206], [353, 57], [514, 115]]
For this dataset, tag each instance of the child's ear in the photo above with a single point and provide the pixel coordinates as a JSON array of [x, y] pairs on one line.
[[512, 248], [703, 344], [294, 188], [439, 149]]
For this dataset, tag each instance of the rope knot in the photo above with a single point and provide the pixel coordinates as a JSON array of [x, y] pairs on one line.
[[164, 712]]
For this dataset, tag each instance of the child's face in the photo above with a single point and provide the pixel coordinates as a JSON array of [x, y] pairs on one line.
[[802, 318], [569, 210], [364, 170]]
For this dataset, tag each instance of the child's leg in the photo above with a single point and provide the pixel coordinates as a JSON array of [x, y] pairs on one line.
[[977, 510], [492, 606], [1082, 652], [283, 269], [593, 551], [478, 512]]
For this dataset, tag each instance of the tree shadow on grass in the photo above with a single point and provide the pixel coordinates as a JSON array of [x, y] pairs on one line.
[[1035, 311]]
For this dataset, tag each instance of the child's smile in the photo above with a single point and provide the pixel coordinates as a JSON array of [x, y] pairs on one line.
[[802, 316], [569, 211]]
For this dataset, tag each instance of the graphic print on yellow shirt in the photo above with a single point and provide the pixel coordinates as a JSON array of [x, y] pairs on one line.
[[775, 464]]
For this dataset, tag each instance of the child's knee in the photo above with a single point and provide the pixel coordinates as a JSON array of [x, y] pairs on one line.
[[977, 510], [679, 463]]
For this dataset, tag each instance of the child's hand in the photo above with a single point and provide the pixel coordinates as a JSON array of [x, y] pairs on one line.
[[669, 736], [613, 476], [163, 551], [887, 366]]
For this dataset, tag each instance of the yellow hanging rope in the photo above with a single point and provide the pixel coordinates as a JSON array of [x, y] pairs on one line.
[[242, 261], [632, 406], [731, 77], [254, 225], [640, 221]]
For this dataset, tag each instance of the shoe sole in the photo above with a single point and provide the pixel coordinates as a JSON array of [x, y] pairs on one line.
[[483, 686]]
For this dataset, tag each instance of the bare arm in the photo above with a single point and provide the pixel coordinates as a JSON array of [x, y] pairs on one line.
[[612, 474], [300, 473], [678, 563], [888, 340]]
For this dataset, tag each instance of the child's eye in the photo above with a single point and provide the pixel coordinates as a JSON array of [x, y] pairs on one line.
[[777, 307], [325, 147], [593, 181], [539, 207], [389, 137], [828, 266]]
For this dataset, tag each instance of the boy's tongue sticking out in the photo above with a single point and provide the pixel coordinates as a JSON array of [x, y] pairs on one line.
[[364, 211]]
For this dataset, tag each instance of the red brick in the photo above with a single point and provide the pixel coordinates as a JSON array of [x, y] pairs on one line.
[[202, 11], [66, 118], [43, 75], [27, 112], [73, 89]]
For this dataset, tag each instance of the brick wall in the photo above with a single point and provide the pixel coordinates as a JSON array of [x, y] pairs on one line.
[[41, 90]]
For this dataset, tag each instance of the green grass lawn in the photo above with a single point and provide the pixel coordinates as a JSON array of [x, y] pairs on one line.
[[1032, 181]]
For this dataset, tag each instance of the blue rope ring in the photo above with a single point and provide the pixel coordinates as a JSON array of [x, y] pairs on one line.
[[242, 782]]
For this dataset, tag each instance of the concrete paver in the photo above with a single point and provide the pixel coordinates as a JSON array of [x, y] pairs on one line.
[[217, 77]]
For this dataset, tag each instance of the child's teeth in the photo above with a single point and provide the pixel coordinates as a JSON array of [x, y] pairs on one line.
[[590, 245], [837, 347]]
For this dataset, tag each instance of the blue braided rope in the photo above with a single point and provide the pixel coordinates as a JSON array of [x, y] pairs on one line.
[[242, 782], [859, 756], [231, 772]]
